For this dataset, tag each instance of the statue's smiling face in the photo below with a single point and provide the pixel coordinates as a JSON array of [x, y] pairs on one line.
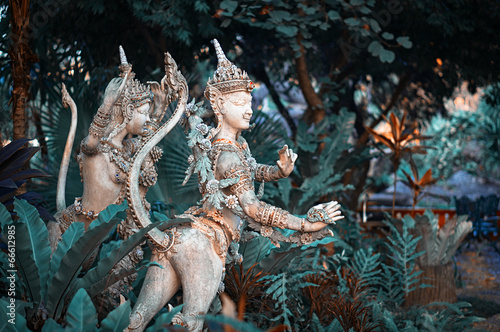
[[237, 110], [139, 119]]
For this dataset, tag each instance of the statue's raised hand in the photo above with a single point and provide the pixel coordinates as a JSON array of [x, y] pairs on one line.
[[286, 161], [111, 97]]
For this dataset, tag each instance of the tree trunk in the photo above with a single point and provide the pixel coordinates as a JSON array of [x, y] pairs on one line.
[[21, 57], [315, 111], [442, 278]]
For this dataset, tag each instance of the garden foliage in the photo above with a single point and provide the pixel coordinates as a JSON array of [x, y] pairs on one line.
[[46, 284]]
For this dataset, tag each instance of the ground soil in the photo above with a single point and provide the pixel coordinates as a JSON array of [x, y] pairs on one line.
[[478, 266]]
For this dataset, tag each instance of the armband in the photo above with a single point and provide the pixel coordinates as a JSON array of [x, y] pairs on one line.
[[244, 184], [265, 173], [269, 215], [99, 123]]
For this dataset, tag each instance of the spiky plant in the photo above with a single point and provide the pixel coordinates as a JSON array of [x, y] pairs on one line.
[[418, 183], [247, 289], [402, 140], [15, 172]]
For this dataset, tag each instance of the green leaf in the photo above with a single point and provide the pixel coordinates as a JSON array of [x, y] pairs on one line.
[[387, 56], [51, 325], [404, 41], [280, 15], [388, 36], [225, 23], [201, 6], [69, 238], [5, 218], [118, 319], [289, 31], [374, 25], [229, 5], [100, 272], [77, 255], [357, 2], [352, 21], [165, 319], [33, 241], [333, 15], [81, 314], [11, 319]]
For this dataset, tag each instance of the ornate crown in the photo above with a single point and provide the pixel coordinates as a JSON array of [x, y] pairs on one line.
[[228, 78], [135, 92]]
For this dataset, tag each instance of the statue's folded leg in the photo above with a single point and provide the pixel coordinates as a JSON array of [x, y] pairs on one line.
[[159, 286]]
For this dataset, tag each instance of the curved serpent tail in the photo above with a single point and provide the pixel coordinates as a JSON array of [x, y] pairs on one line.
[[63, 171], [175, 84]]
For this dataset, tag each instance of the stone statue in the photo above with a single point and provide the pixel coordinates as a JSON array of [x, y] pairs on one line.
[[129, 108], [194, 253]]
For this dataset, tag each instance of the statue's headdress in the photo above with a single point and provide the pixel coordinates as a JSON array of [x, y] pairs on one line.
[[135, 93], [227, 77]]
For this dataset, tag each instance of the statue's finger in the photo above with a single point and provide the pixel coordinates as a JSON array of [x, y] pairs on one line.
[[294, 157], [331, 205], [283, 149]]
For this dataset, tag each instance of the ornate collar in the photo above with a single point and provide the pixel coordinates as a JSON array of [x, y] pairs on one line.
[[241, 146]]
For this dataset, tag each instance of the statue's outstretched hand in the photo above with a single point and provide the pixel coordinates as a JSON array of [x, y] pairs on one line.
[[322, 215], [286, 161]]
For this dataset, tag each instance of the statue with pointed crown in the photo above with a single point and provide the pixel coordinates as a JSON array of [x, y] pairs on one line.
[[194, 253], [129, 114]]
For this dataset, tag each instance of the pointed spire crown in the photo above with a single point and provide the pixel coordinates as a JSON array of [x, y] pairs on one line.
[[227, 77], [135, 92]]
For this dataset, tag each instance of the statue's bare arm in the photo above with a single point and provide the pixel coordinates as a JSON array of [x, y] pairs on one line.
[[101, 118], [229, 165]]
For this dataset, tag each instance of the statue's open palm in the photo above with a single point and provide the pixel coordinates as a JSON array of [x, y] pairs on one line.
[[286, 161]]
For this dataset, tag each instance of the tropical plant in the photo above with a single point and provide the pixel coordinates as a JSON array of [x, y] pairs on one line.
[[416, 183], [402, 275], [246, 287], [15, 172], [321, 168], [399, 140], [47, 283]]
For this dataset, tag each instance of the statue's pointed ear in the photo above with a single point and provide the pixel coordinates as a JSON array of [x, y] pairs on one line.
[[215, 97]]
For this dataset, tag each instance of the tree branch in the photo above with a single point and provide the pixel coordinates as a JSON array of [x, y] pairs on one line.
[[315, 110]]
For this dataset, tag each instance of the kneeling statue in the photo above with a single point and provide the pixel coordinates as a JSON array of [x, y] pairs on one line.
[[194, 253]]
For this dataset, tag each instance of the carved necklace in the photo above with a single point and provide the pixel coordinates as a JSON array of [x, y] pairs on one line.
[[224, 144], [119, 156]]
